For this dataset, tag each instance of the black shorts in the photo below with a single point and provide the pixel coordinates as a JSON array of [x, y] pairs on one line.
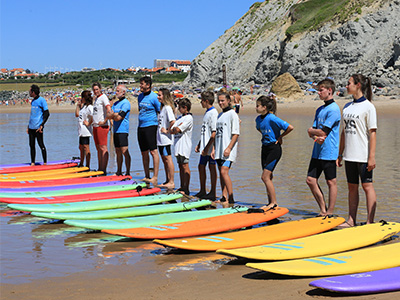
[[318, 165], [270, 155], [84, 140], [164, 150], [356, 171], [147, 138], [121, 140]]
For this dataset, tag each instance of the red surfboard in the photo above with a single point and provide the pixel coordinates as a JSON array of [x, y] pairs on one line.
[[36, 168], [81, 197], [60, 182]]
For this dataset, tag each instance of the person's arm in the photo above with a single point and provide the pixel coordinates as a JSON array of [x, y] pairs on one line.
[[209, 144], [341, 149], [287, 131], [228, 149], [78, 108], [318, 135], [372, 147], [46, 115]]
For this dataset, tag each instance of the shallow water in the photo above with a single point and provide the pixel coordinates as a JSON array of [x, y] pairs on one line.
[[33, 248]]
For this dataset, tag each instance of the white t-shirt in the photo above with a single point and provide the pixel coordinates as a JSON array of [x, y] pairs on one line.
[[208, 127], [227, 125], [165, 117], [359, 118], [100, 110], [84, 114], [183, 140]]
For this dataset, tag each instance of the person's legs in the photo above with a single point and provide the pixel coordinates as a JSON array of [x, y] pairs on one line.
[[118, 152], [146, 164], [185, 177], [228, 183], [127, 155], [82, 155], [202, 177], [332, 185], [213, 175], [371, 201], [266, 177], [32, 146], [104, 158], [86, 151], [156, 164], [39, 136], [170, 171], [317, 193], [223, 185], [353, 203]]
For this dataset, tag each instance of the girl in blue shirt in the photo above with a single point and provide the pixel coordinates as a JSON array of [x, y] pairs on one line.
[[271, 128]]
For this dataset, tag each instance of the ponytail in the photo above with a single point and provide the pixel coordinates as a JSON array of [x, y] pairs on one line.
[[366, 86]]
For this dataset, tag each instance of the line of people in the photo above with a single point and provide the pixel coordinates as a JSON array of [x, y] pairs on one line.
[[158, 129]]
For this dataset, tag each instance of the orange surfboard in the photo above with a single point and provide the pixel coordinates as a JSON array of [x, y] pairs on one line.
[[200, 227], [257, 236]]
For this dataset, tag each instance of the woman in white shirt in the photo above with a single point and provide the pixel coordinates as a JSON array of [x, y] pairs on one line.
[[166, 119], [357, 146], [84, 113]]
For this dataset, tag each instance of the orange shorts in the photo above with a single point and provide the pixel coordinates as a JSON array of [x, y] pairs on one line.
[[100, 135]]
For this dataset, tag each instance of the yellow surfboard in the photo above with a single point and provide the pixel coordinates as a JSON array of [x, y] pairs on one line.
[[320, 244], [257, 236], [350, 262], [57, 176], [44, 173]]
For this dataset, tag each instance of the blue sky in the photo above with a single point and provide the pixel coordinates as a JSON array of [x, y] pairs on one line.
[[44, 35]]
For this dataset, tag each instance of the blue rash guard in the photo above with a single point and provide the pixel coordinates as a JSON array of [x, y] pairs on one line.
[[38, 107], [328, 116], [124, 106], [149, 107], [270, 127]]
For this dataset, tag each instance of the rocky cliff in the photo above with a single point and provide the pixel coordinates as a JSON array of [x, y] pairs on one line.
[[258, 47]]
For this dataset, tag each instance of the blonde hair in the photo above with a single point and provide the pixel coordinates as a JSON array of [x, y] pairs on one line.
[[167, 98]]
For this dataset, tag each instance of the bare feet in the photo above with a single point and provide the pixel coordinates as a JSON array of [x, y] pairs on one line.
[[346, 224], [269, 206], [168, 185]]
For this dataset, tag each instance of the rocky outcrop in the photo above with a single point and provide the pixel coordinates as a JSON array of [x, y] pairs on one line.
[[256, 49]]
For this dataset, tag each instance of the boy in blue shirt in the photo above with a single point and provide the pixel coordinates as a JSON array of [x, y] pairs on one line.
[[149, 107], [325, 133], [39, 115], [121, 110]]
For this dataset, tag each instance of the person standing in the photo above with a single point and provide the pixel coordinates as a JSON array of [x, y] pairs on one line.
[[120, 115], [84, 113], [182, 131], [166, 120], [325, 133], [227, 135], [101, 125], [206, 146], [357, 146], [38, 117], [149, 107], [272, 129]]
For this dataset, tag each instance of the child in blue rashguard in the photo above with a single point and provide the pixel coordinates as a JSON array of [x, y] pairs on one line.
[[271, 127]]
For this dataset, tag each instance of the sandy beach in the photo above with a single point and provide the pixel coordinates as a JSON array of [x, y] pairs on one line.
[[179, 274], [385, 104]]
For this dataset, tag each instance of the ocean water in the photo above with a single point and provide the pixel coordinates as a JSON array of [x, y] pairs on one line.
[[33, 248]]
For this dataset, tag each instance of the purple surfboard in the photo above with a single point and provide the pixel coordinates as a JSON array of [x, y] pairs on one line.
[[386, 280], [55, 162], [67, 187]]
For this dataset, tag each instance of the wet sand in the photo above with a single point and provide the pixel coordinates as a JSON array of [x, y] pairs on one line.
[[182, 275]]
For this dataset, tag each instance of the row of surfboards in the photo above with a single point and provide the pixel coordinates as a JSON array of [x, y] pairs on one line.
[[122, 207]]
